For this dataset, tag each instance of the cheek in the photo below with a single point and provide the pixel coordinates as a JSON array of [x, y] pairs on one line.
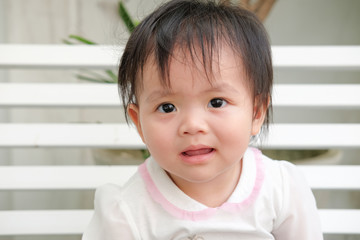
[[235, 130], [157, 137], [236, 139], [234, 144]]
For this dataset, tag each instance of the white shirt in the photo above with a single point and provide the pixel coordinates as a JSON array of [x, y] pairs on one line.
[[271, 201]]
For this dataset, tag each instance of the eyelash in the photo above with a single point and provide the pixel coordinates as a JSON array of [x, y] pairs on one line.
[[162, 110], [169, 107], [216, 101]]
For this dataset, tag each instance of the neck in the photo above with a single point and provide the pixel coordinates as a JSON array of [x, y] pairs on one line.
[[215, 192]]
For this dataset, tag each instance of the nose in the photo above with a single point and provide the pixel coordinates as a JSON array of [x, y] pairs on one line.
[[193, 123]]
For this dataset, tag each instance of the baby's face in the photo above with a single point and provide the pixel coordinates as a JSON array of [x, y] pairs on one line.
[[196, 130]]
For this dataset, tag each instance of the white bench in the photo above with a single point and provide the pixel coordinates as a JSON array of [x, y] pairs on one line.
[[56, 135]]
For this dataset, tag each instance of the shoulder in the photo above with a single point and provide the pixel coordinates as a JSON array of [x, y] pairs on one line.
[[284, 181], [295, 206], [111, 193], [112, 216], [297, 216], [106, 195], [282, 171]]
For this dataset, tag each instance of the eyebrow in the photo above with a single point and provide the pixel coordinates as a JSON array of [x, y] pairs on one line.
[[222, 87], [158, 94], [167, 92]]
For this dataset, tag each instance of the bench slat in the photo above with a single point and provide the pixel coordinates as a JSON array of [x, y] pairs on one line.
[[52, 177], [32, 177], [44, 222], [69, 135], [339, 221], [312, 136], [106, 95], [59, 56], [58, 95], [102, 56], [344, 96], [308, 136], [316, 56], [322, 177]]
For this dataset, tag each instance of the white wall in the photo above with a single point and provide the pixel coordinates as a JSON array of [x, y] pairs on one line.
[[314, 22]]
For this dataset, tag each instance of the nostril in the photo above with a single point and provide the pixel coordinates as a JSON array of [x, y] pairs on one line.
[[192, 128]]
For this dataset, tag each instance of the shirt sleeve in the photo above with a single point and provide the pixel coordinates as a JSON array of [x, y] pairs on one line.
[[298, 218], [109, 220]]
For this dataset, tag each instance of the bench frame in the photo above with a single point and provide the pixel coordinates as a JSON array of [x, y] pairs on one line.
[[120, 136]]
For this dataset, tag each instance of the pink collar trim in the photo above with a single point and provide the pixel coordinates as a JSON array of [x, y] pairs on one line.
[[208, 212]]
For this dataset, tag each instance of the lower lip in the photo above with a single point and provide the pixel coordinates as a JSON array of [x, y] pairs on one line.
[[197, 159]]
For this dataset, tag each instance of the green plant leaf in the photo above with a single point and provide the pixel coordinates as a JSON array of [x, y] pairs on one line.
[[92, 79], [82, 39], [108, 72], [125, 16], [112, 75], [67, 42], [145, 153]]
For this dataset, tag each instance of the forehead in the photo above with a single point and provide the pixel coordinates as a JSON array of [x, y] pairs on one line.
[[213, 67]]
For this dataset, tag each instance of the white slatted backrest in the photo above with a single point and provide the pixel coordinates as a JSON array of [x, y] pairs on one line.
[[12, 95], [106, 95], [32, 177], [65, 56], [290, 136], [75, 221], [59, 56]]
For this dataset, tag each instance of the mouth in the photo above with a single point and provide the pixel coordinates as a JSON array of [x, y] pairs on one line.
[[197, 152]]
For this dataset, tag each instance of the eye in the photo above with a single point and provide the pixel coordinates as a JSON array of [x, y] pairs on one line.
[[166, 108], [217, 103]]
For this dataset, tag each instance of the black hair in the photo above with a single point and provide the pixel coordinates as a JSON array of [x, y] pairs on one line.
[[199, 27]]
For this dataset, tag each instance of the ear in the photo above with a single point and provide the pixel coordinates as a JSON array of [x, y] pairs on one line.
[[133, 112], [260, 110]]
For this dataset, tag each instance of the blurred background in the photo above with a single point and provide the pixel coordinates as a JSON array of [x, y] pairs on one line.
[[289, 22]]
